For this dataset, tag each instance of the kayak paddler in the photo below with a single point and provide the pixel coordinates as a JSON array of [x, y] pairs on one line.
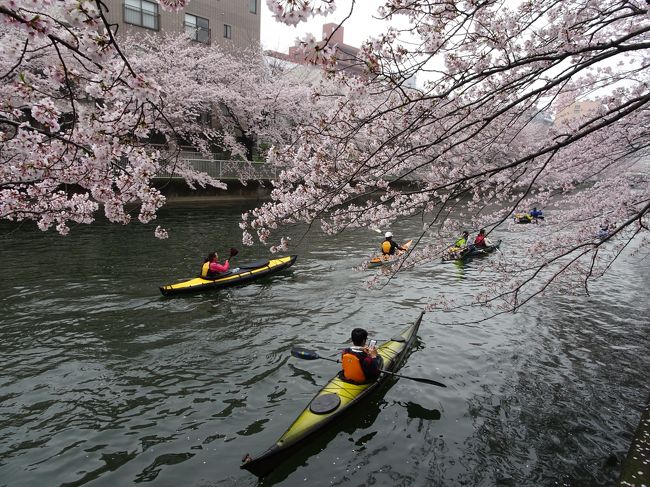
[[361, 363], [211, 266], [461, 242], [389, 246], [481, 241], [459, 248]]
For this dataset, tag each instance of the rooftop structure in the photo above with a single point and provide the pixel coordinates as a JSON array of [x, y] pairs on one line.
[[346, 56]]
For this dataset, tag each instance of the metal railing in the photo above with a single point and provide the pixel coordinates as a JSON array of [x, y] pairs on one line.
[[229, 169], [225, 169]]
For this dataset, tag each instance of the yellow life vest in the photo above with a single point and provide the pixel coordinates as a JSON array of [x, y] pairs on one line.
[[352, 370], [205, 268], [385, 247]]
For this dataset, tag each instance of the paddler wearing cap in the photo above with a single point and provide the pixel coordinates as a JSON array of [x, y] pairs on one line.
[[389, 246]]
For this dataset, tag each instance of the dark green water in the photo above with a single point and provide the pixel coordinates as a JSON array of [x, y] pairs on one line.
[[104, 382]]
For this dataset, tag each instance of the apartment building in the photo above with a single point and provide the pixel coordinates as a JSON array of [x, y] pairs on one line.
[[228, 23], [576, 111]]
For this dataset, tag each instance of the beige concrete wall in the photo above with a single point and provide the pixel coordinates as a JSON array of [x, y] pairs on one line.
[[245, 26]]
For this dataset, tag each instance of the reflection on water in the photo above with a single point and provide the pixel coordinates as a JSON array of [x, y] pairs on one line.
[[415, 411], [105, 382]]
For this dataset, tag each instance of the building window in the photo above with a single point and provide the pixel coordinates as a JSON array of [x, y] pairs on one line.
[[227, 31], [252, 6], [197, 28], [142, 13]]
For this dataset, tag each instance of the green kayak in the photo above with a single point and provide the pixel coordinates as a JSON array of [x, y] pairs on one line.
[[463, 255], [332, 402]]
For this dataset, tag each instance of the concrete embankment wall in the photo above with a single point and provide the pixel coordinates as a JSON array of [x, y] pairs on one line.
[[636, 469], [178, 191]]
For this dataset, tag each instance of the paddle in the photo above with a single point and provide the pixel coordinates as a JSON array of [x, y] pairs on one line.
[[233, 252], [305, 354]]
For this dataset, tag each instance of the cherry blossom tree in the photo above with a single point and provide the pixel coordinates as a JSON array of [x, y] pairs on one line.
[[73, 112], [79, 108], [469, 140], [246, 98], [465, 142]]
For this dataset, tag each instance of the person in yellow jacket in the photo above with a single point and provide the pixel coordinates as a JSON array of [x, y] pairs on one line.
[[459, 248], [361, 363], [461, 242], [388, 246]]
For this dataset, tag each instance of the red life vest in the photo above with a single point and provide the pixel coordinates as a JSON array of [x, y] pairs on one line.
[[479, 241]]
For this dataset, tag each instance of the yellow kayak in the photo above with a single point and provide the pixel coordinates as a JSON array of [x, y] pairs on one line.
[[522, 218], [243, 274], [333, 400]]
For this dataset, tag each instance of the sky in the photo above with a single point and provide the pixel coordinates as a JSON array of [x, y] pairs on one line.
[[279, 37]]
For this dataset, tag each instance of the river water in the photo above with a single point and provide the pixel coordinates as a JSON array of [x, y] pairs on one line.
[[104, 382]]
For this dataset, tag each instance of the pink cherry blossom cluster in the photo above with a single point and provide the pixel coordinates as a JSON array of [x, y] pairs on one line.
[[74, 119], [292, 12], [78, 112], [173, 5], [471, 145], [265, 103], [316, 52], [45, 112]]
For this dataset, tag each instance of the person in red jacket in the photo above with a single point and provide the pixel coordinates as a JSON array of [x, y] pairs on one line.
[[481, 240]]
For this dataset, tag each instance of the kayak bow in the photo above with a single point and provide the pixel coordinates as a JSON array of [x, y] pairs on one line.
[[243, 274], [333, 400]]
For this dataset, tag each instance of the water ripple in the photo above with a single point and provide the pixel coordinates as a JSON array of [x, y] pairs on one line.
[[106, 382]]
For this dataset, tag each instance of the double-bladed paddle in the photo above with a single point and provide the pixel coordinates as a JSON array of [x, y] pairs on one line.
[[305, 354]]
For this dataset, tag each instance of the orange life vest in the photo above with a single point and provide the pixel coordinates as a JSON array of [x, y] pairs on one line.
[[352, 370], [385, 247]]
